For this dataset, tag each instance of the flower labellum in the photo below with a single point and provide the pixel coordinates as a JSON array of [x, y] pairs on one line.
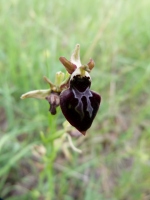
[[79, 107]]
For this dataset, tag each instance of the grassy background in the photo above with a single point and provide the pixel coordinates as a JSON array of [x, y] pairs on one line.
[[115, 163]]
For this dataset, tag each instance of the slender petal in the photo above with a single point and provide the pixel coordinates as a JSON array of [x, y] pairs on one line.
[[70, 67], [91, 64], [52, 86]]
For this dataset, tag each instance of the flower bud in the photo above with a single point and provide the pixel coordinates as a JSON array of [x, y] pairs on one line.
[[54, 102]]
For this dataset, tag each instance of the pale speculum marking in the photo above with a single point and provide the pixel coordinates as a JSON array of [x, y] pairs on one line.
[[78, 95]]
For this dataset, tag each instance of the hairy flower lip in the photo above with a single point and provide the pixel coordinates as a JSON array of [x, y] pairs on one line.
[[80, 107]]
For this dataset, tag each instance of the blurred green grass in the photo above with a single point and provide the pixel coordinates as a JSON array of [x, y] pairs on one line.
[[115, 163]]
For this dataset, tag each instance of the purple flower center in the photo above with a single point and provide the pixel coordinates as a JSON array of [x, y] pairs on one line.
[[79, 108]]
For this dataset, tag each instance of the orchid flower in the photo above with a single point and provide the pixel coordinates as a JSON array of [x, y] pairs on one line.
[[72, 92]]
